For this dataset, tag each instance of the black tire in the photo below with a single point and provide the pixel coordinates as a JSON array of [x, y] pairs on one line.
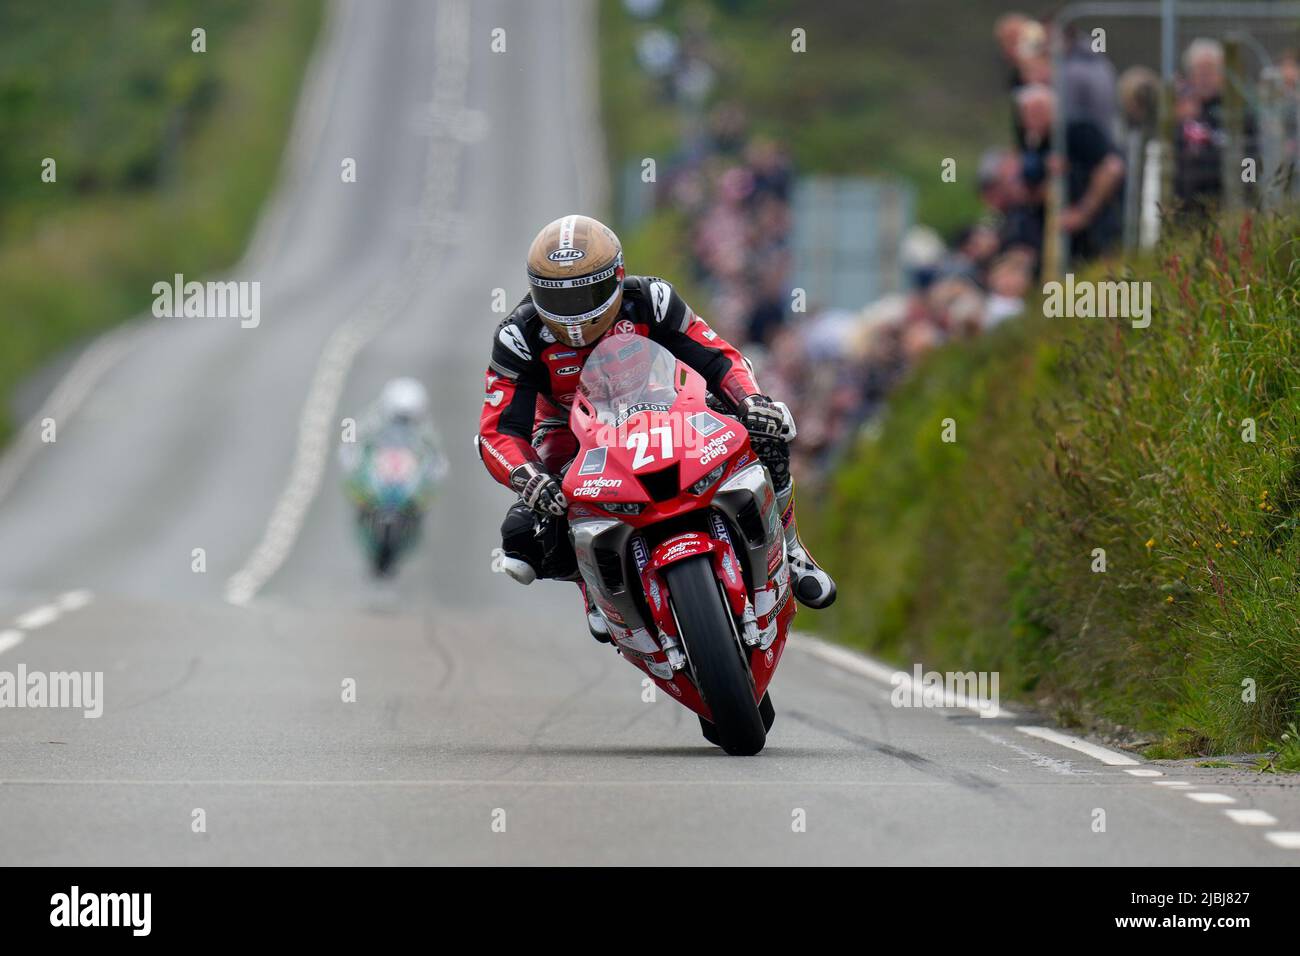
[[385, 551], [715, 656]]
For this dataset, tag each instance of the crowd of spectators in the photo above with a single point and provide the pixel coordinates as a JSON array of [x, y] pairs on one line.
[[835, 366]]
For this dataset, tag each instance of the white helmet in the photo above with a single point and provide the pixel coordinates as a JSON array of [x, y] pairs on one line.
[[403, 400]]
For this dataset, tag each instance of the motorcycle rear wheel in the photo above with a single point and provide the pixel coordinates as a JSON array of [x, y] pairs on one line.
[[715, 656]]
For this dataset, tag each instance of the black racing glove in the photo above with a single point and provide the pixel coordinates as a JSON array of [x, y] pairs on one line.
[[765, 418], [539, 489]]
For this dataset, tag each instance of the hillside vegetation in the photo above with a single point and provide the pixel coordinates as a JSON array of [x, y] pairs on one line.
[[163, 155], [1173, 449]]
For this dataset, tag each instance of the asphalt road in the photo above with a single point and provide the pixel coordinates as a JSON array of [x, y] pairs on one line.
[[487, 727]]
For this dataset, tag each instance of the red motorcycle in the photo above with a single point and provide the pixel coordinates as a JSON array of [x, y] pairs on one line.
[[678, 537]]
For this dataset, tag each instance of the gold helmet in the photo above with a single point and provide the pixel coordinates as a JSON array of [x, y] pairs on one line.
[[575, 273]]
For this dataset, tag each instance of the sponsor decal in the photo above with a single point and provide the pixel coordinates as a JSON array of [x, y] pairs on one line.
[[641, 407], [566, 255], [719, 527], [494, 398], [707, 332], [593, 462], [494, 453], [672, 686], [770, 658], [546, 334], [592, 487], [717, 447], [639, 552], [774, 556], [705, 423], [655, 594], [556, 356], [565, 399], [781, 602], [624, 327], [729, 567], [676, 548], [743, 460], [569, 370]]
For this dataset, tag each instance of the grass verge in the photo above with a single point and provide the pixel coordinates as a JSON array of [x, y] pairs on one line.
[[1167, 456]]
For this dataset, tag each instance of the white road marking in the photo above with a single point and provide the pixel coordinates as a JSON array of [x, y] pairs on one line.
[[1062, 767], [38, 617], [856, 663], [75, 600], [1109, 757], [1251, 818], [1202, 797], [867, 667], [42, 615], [68, 396], [316, 425]]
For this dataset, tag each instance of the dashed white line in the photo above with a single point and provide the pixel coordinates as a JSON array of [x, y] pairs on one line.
[[315, 431], [68, 396], [864, 666], [74, 600], [1109, 757], [1251, 818], [42, 615], [1201, 797], [38, 617]]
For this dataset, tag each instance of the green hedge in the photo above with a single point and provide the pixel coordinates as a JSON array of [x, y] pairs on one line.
[[1080, 434]]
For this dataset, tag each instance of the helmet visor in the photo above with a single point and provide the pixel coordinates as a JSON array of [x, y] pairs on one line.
[[578, 300]]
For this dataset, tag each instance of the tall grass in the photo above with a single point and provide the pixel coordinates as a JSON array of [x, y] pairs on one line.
[[1075, 435]]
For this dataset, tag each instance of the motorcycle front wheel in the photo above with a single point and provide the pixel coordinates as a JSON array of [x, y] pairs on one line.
[[716, 656]]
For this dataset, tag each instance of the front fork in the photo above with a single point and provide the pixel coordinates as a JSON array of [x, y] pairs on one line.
[[726, 570]]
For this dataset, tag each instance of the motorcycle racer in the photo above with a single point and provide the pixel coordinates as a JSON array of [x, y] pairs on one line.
[[578, 292]]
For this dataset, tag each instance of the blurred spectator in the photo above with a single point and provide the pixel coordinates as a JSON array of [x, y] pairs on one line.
[[1088, 84], [1202, 136], [1198, 172], [1094, 172]]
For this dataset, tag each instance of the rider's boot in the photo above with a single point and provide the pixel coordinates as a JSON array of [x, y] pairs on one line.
[[517, 568], [596, 622], [812, 586]]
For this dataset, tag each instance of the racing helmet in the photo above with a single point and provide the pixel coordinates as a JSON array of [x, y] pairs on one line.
[[403, 401], [575, 276]]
